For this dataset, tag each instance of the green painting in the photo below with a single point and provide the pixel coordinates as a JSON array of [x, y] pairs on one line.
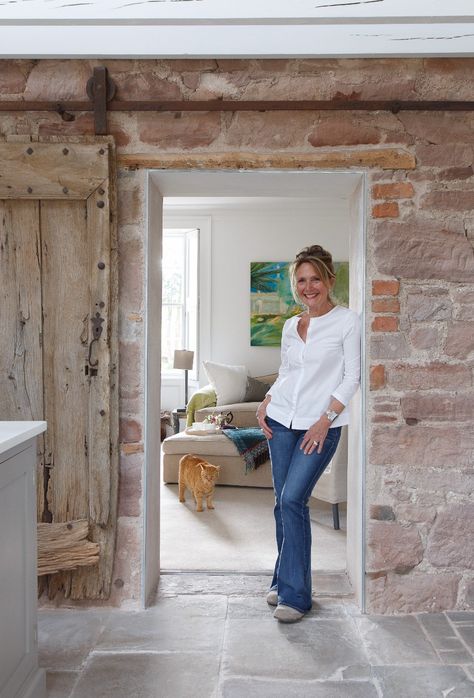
[[271, 300]]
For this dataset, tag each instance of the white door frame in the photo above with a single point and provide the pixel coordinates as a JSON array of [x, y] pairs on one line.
[[151, 474], [150, 562]]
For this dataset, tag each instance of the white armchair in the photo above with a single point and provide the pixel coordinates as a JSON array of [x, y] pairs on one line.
[[332, 485]]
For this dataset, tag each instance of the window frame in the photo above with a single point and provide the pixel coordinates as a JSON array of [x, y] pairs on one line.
[[174, 221]]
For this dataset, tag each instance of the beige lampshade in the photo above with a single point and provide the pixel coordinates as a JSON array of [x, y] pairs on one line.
[[183, 359]]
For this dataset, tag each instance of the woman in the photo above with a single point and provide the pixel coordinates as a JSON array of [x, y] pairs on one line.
[[302, 415]]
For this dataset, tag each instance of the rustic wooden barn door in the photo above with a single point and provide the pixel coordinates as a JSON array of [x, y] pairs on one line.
[[58, 348]]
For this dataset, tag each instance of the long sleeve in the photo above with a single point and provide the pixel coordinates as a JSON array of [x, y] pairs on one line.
[[351, 349]]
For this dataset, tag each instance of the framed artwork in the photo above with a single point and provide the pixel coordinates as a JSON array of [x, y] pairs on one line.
[[271, 300]]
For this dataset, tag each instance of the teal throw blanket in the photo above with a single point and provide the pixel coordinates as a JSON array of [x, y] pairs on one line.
[[251, 444]]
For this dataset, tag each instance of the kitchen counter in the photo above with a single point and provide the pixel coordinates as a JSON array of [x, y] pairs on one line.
[[20, 675], [14, 433]]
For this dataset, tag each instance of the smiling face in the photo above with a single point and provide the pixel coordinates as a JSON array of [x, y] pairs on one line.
[[311, 289]]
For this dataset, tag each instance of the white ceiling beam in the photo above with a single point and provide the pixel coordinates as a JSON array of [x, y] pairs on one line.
[[133, 11], [237, 41], [229, 29]]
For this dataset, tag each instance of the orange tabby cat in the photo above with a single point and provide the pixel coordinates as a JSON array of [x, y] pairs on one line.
[[200, 477]]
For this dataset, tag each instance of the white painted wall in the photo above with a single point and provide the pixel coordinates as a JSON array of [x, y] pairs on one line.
[[257, 232], [274, 234]]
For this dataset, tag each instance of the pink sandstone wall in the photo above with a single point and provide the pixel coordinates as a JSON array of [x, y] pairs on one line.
[[420, 286]]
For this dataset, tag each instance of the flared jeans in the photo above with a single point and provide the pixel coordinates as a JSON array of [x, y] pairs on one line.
[[294, 476]]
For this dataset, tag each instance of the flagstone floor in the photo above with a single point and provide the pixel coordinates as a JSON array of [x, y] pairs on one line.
[[213, 636]]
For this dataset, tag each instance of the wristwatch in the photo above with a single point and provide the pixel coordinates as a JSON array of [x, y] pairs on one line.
[[331, 415]]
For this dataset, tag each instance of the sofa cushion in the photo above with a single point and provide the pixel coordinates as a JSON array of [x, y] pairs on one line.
[[213, 445], [244, 413], [270, 378], [256, 390], [229, 382]]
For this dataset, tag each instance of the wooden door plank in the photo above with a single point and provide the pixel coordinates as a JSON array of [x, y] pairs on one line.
[[99, 396], [95, 583], [51, 170], [20, 377], [65, 343], [21, 365]]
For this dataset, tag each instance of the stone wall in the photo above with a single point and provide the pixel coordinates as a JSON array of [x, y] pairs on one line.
[[420, 286]]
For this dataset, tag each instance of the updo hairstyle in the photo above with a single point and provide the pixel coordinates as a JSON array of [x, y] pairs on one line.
[[322, 262]]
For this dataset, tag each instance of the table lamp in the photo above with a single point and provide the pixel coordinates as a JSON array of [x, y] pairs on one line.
[[184, 359]]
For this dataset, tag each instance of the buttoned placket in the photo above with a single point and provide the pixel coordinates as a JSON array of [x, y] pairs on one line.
[[299, 381]]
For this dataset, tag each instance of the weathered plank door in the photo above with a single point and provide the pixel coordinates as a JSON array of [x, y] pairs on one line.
[[58, 341]]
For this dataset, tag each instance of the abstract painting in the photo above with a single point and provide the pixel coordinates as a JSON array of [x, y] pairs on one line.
[[271, 300]]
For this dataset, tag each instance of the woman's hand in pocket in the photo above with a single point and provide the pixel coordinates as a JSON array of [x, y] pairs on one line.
[[261, 418]]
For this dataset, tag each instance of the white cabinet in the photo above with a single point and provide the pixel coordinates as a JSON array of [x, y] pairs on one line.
[[20, 676]]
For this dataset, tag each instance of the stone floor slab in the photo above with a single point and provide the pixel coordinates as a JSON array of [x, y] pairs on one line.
[[214, 636], [469, 669], [202, 584], [467, 634], [257, 688], [306, 650], [335, 584], [251, 607], [145, 675], [440, 631], [395, 640], [357, 671], [327, 607], [461, 616], [461, 656], [59, 684], [173, 624], [351, 607], [332, 584], [424, 682], [65, 638]]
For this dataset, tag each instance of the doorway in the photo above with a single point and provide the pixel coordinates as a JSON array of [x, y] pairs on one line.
[[336, 202]]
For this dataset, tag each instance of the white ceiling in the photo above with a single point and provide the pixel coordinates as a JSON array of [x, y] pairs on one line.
[[227, 28]]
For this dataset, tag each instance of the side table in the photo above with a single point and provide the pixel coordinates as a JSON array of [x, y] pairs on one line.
[[176, 415]]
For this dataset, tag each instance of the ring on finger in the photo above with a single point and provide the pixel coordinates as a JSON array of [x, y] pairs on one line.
[[315, 443]]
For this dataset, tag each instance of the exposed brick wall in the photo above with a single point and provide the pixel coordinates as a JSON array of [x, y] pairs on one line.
[[420, 477], [420, 263]]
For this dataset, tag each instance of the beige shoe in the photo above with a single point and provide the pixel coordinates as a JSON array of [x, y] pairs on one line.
[[272, 597], [287, 614]]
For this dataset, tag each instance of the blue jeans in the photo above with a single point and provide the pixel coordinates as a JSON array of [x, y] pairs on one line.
[[294, 476]]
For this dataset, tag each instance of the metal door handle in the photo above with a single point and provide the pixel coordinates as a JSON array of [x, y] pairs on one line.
[[97, 321]]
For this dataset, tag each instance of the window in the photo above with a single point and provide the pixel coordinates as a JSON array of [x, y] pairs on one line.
[[179, 328]]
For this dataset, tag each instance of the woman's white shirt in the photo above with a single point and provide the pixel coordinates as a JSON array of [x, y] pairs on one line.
[[327, 364]]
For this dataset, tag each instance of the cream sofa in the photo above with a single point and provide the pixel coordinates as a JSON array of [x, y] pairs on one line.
[[218, 449]]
